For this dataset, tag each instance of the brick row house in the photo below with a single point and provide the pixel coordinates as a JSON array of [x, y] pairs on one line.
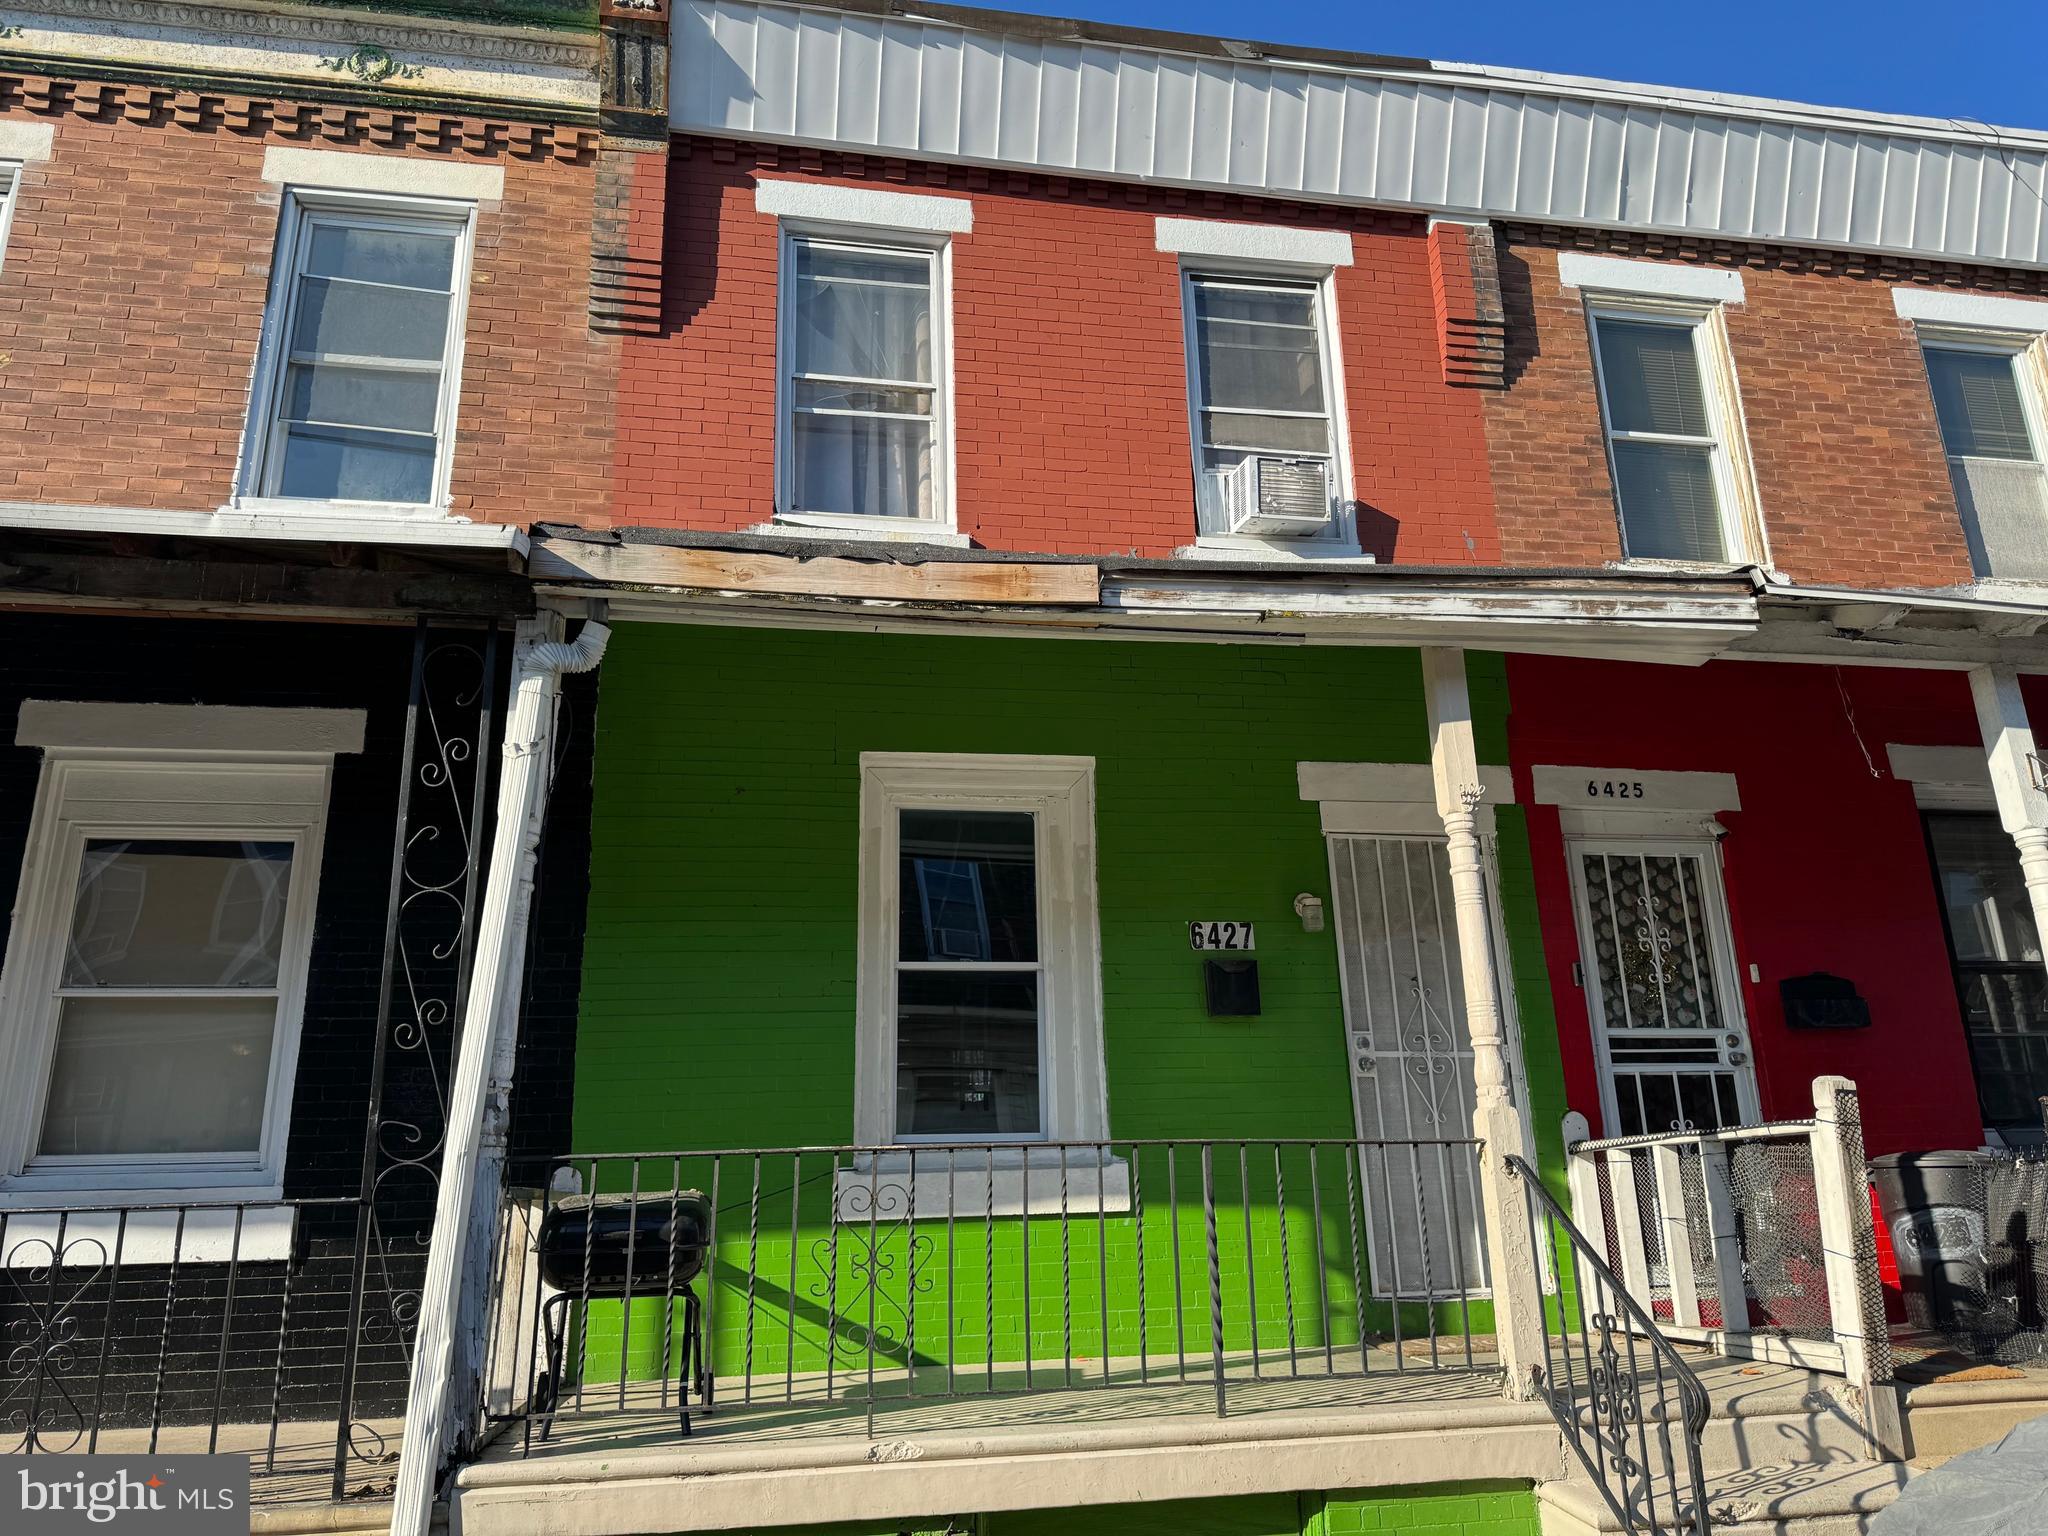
[[296, 316], [1221, 666]]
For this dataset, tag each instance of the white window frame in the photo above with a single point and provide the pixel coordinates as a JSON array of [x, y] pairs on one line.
[[155, 791], [10, 194], [2028, 352], [1742, 531], [940, 525], [1340, 539], [1060, 792], [262, 441]]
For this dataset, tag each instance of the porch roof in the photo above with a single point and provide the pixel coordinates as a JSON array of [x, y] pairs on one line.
[[1682, 616]]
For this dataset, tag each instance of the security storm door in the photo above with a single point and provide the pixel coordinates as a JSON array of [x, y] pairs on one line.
[[1411, 1062], [1659, 984]]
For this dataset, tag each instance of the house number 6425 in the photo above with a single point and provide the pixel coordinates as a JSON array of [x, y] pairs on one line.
[[1614, 789]]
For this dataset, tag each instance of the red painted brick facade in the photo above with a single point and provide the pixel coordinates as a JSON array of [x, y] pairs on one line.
[[1850, 475], [132, 294], [1070, 403]]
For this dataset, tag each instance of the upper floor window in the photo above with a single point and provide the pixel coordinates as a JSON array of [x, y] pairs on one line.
[[367, 313], [1994, 452], [864, 410], [1265, 429], [1666, 436]]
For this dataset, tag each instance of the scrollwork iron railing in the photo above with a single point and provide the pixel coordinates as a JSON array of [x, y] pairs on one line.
[[1631, 1409]]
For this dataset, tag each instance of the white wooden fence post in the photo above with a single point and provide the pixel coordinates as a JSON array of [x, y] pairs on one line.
[[1731, 1288], [1677, 1236], [1849, 1249], [1634, 1265]]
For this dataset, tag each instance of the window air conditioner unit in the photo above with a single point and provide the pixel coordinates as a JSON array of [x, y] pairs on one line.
[[1274, 497]]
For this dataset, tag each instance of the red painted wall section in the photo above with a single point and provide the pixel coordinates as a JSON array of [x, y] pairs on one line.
[[1070, 402], [1825, 865]]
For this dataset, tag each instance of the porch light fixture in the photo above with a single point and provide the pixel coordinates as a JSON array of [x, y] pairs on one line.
[[1309, 908]]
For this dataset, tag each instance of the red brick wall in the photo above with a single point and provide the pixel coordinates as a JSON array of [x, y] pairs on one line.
[[1070, 404], [132, 292], [1850, 474]]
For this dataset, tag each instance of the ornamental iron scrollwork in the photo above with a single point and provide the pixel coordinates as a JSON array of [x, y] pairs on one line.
[[38, 1409], [873, 1241], [430, 928]]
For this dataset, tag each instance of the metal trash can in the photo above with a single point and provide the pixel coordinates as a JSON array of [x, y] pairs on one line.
[[1970, 1232]]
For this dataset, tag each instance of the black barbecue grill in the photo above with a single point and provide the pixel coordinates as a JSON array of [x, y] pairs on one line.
[[610, 1248]]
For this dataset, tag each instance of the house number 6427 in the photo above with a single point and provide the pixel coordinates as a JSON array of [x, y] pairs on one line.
[[1614, 789]]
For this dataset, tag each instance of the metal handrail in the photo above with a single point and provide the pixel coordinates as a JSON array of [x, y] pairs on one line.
[[1619, 1458]]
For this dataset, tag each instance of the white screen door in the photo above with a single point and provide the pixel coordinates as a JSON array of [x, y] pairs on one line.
[[1659, 982], [1411, 1061]]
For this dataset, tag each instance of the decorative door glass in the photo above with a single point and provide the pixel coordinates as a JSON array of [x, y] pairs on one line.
[[1674, 1046], [1411, 1061]]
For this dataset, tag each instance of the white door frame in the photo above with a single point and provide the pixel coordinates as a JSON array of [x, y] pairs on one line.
[[1721, 957]]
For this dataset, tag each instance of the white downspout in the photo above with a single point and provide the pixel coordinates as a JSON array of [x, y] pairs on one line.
[[539, 658]]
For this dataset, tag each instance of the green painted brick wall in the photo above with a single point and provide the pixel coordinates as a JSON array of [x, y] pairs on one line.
[[718, 996], [1440, 1509]]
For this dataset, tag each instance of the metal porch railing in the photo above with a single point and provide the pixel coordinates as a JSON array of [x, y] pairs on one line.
[[257, 1328], [1754, 1241], [679, 1284], [1631, 1409]]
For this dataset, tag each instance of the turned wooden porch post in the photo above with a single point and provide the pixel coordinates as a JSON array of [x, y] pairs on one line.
[[1511, 1251]]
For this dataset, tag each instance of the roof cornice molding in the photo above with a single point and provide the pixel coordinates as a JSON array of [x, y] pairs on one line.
[[1063, 99], [397, 55]]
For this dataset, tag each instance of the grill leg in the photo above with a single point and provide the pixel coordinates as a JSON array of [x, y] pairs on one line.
[[694, 1364], [554, 1316]]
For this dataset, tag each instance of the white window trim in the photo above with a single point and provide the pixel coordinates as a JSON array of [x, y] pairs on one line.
[[1267, 244], [1341, 541], [1944, 328], [867, 208], [1743, 535], [1061, 793], [941, 526], [284, 795], [10, 194], [259, 435], [1649, 279], [1971, 311], [404, 175]]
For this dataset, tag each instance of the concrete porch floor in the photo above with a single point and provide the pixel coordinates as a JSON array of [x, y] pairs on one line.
[[291, 1474]]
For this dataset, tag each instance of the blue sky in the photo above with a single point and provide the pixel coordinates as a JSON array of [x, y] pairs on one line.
[[1981, 59]]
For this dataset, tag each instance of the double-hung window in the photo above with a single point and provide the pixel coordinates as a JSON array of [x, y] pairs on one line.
[[358, 401], [1668, 433], [1265, 432], [156, 969], [979, 997], [1994, 450], [863, 398]]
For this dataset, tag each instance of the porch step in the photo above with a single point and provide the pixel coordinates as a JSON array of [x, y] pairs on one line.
[[1947, 1418], [1801, 1498]]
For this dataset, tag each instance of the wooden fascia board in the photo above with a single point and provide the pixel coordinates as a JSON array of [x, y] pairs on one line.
[[992, 582]]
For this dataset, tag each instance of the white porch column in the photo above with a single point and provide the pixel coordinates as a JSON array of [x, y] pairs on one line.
[[2009, 749], [1511, 1251], [454, 1255]]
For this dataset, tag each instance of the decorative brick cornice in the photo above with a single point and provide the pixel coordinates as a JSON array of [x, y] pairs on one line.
[[336, 122], [492, 42], [268, 46], [1758, 256]]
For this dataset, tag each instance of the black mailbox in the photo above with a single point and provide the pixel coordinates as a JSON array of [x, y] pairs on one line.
[[1821, 1001], [1232, 986]]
